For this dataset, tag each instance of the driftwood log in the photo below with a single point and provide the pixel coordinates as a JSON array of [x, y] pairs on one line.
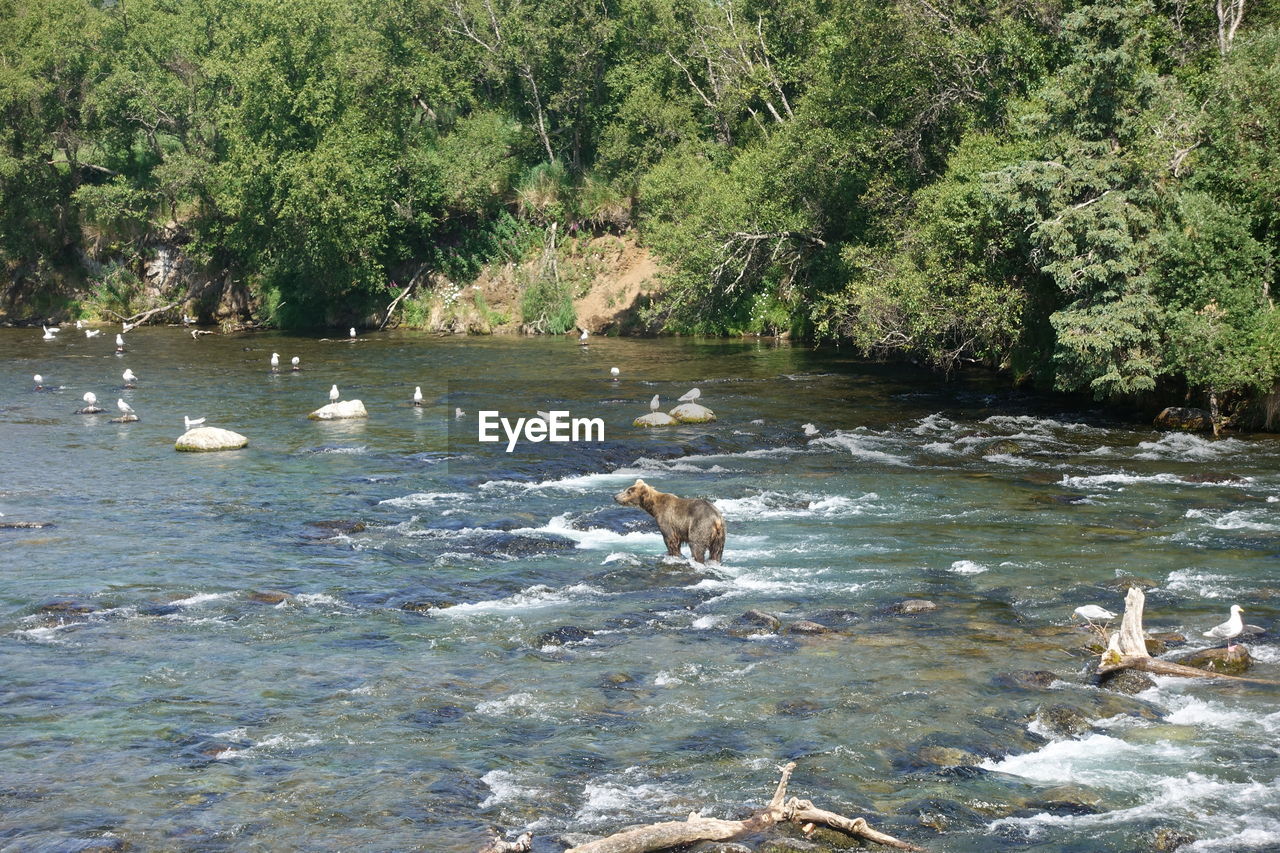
[[1127, 649], [663, 836]]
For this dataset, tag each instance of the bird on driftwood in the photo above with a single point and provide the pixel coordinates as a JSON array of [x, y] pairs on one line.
[[1230, 629], [691, 395]]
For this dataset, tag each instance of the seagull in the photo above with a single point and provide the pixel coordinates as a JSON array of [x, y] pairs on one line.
[[119, 343], [275, 362], [1233, 627], [79, 325], [127, 327], [297, 363], [613, 371], [653, 404], [333, 394], [39, 380], [125, 408], [351, 333], [92, 333], [582, 338], [191, 422], [90, 404], [417, 395], [810, 430], [1092, 612], [50, 334], [129, 378], [90, 398], [458, 413], [546, 416], [691, 395]]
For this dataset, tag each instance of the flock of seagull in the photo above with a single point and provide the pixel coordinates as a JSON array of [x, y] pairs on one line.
[[1229, 630]]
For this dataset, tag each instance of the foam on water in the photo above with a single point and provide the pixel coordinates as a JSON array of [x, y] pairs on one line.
[[1096, 759], [523, 705], [202, 598], [968, 567], [604, 801], [1119, 480], [1191, 448], [506, 787], [595, 537], [860, 446], [1240, 519], [1201, 583], [773, 504], [531, 598], [418, 499]]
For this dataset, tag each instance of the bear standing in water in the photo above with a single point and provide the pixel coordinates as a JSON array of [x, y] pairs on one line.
[[681, 520]]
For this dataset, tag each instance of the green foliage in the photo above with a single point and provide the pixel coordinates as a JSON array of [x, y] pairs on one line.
[[1081, 192]]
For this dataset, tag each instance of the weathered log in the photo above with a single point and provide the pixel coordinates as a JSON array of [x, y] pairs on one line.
[[661, 836]]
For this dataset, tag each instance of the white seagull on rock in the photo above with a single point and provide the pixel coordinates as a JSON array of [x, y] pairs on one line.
[[351, 333], [39, 380], [613, 371], [119, 343], [691, 395], [417, 395], [192, 422], [653, 404], [125, 408], [129, 378], [333, 394], [296, 362], [1230, 629]]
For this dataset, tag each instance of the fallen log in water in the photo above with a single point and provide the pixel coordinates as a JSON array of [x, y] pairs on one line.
[[1128, 649], [663, 836]]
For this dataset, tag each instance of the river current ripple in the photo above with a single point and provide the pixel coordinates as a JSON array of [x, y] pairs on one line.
[[382, 634]]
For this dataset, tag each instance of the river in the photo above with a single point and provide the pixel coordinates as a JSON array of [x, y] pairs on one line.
[[472, 638]]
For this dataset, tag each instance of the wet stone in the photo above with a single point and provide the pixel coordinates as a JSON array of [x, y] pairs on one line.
[[334, 528], [1026, 679], [1063, 719], [616, 679], [946, 756], [1127, 681], [755, 622], [914, 605], [1067, 800], [719, 847], [563, 635], [788, 845], [836, 618], [1183, 418], [1235, 662], [941, 815], [270, 596], [66, 606], [1122, 583], [1169, 840], [804, 626], [424, 606], [798, 708]]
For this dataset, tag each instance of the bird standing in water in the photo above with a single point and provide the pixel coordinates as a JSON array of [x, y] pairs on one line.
[[417, 395], [275, 362]]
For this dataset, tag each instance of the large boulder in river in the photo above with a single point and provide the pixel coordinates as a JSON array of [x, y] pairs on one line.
[[692, 413], [1179, 417], [339, 410], [209, 439], [655, 419]]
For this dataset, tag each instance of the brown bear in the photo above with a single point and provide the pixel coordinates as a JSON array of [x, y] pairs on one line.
[[681, 520]]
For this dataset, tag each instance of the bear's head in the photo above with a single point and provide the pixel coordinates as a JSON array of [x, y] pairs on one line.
[[633, 495]]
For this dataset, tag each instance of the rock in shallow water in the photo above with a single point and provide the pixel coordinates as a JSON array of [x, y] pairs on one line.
[[1190, 420], [914, 605], [655, 419], [692, 413], [1236, 662], [209, 440], [339, 410]]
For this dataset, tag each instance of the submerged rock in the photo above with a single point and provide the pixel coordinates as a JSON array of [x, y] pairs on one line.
[[1068, 800], [755, 622], [1169, 840], [692, 413], [1026, 679], [209, 440], [563, 635], [90, 410], [66, 606], [655, 419], [1234, 662], [1128, 681], [804, 626], [1180, 418], [339, 410], [124, 419], [270, 596], [1063, 720], [914, 605]]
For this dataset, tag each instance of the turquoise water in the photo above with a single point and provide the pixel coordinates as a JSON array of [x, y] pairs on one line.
[[475, 639]]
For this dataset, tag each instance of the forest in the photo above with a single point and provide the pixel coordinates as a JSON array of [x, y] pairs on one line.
[[1084, 195]]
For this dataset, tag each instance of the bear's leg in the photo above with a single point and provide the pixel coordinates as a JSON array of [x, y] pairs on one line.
[[698, 550], [717, 542], [673, 545]]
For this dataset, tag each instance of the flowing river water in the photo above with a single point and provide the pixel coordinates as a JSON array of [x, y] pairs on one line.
[[474, 639]]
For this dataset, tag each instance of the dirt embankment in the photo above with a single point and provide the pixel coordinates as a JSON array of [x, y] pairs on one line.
[[612, 278]]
